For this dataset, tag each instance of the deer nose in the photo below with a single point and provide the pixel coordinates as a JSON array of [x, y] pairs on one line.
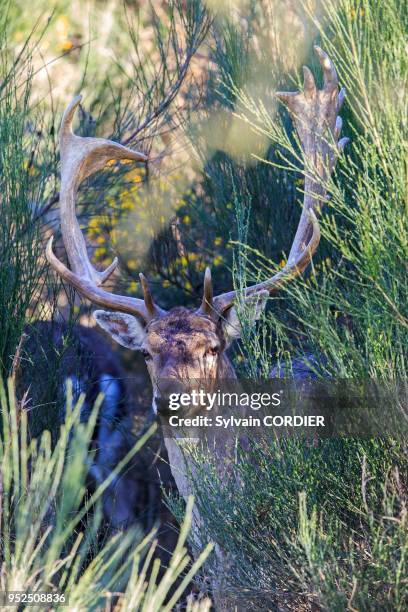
[[169, 386]]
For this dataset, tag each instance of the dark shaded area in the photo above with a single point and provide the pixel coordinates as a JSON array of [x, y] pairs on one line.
[[53, 352]]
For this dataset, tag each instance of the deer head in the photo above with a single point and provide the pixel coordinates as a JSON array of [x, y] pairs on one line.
[[184, 345]]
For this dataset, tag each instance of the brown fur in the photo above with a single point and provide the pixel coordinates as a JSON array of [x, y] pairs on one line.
[[184, 349]]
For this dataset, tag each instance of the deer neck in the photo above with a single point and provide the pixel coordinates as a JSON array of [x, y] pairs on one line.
[[176, 447], [225, 370]]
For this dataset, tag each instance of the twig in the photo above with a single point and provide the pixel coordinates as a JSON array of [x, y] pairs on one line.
[[17, 358]]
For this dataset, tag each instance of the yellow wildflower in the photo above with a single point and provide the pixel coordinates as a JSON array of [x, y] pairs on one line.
[[128, 205], [218, 260], [218, 241], [66, 45], [132, 264], [134, 176], [166, 283]]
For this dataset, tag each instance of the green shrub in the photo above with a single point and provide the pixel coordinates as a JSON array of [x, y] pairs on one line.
[[307, 524], [22, 273]]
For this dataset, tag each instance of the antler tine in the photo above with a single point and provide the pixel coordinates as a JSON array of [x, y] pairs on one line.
[[207, 307], [309, 83], [95, 294], [314, 114], [329, 71], [80, 158], [153, 310]]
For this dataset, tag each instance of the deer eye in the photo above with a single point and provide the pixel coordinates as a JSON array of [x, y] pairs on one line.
[[146, 354]]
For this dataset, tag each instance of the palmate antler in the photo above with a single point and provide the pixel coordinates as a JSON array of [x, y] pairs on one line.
[[81, 157], [314, 113]]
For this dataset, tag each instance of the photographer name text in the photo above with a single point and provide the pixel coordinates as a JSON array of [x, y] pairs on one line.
[[250, 421]]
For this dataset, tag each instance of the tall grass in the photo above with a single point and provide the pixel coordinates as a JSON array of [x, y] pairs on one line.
[[52, 537]]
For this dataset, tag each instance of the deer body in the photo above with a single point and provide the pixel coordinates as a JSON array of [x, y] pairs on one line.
[[185, 348], [80, 357]]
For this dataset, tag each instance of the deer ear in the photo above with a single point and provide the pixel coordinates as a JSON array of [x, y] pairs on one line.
[[124, 328], [251, 312]]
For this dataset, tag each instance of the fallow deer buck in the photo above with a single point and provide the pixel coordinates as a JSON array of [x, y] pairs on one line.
[[182, 345]]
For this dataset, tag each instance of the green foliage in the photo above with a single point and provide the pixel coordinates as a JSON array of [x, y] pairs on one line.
[[21, 271], [51, 531], [305, 523], [27, 167]]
